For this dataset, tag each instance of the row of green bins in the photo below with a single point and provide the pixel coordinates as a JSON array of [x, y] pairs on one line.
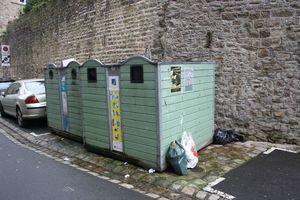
[[64, 100], [135, 109]]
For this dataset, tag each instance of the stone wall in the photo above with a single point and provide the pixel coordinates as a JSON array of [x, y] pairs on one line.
[[109, 30], [256, 46], [9, 10], [254, 43]]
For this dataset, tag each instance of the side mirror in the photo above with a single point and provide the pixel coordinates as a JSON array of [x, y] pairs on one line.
[[3, 94]]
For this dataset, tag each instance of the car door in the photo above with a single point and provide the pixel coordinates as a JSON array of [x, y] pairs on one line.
[[9, 100], [5, 99]]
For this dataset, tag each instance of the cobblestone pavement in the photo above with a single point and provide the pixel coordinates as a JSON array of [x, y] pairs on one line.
[[214, 162]]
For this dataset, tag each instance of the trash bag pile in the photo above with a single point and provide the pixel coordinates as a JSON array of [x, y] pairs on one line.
[[223, 137], [183, 155]]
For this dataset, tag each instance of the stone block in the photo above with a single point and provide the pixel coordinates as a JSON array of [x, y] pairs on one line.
[[264, 33], [254, 34], [158, 190], [214, 197], [229, 16], [188, 190], [259, 23], [178, 185], [154, 196], [279, 114], [265, 14], [263, 53], [254, 15], [282, 12], [201, 195], [295, 4]]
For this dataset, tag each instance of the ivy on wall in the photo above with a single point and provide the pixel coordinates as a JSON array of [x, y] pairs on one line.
[[33, 4]]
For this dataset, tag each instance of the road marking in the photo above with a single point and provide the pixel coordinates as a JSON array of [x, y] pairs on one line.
[[214, 191], [68, 189], [280, 149]]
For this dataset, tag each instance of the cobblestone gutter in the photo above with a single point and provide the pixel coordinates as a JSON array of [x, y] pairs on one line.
[[214, 162]]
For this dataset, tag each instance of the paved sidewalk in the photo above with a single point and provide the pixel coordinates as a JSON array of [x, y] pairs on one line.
[[214, 162]]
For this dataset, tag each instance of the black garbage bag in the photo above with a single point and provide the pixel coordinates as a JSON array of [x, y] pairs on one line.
[[223, 137], [176, 158]]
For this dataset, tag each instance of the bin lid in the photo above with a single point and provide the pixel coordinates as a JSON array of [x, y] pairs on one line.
[[66, 62], [73, 63], [138, 57], [93, 63], [51, 66]]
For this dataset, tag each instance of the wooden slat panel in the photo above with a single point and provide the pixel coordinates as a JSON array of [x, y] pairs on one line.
[[187, 119], [138, 101], [94, 104], [147, 85], [138, 110], [138, 93], [196, 84], [141, 133], [97, 143], [193, 108], [144, 117], [139, 124]]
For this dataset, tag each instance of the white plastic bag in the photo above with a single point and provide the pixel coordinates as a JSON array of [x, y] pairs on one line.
[[188, 144]]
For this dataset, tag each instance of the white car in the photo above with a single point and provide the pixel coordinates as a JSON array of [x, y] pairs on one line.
[[24, 99]]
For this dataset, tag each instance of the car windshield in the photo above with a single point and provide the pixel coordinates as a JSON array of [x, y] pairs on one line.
[[35, 87]]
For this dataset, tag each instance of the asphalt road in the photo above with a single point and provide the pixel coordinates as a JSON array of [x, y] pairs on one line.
[[26, 175], [274, 176]]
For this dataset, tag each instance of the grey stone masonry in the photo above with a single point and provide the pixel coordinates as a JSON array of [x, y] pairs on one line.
[[254, 43]]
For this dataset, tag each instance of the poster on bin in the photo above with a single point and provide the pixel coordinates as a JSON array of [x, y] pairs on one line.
[[188, 79], [114, 93]]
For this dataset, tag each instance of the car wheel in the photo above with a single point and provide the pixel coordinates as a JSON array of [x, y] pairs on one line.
[[20, 118], [3, 114]]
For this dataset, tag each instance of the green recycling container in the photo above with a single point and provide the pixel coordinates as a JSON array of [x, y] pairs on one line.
[[64, 100]]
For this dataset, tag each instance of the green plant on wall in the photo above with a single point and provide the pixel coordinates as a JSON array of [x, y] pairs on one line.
[[3, 35], [289, 27], [33, 4], [221, 8]]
